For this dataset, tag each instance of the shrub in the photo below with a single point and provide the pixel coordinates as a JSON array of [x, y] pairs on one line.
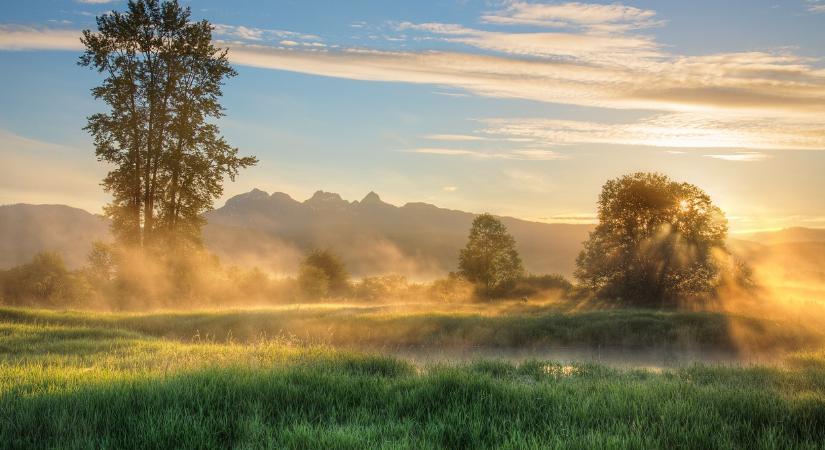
[[535, 284], [382, 287]]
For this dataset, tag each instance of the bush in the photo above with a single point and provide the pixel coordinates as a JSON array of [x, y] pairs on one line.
[[535, 284], [382, 287], [452, 289], [45, 281]]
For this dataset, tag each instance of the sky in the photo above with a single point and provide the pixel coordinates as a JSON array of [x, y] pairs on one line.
[[511, 107]]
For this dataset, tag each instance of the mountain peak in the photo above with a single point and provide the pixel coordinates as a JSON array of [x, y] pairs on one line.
[[281, 197], [253, 195], [372, 197], [322, 198]]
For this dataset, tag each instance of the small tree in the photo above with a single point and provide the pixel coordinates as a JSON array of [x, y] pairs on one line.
[[490, 259], [657, 241], [322, 273]]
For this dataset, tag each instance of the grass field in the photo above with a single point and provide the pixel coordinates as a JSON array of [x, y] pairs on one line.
[[248, 379]]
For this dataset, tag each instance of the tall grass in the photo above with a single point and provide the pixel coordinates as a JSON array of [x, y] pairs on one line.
[[507, 327], [81, 384]]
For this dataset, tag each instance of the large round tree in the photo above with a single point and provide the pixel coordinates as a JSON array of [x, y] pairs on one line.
[[490, 258], [658, 241]]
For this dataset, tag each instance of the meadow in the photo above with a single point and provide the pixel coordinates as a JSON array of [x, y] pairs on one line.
[[312, 376]]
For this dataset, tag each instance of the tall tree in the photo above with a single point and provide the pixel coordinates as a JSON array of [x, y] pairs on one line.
[[490, 258], [657, 241], [163, 81]]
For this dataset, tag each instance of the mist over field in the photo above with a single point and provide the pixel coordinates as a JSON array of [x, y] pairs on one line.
[[456, 224]]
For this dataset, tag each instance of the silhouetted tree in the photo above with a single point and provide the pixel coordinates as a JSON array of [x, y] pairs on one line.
[[163, 81], [657, 241], [322, 273], [490, 258]]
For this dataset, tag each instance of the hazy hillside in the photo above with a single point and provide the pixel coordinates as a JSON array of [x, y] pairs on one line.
[[787, 235], [416, 239], [274, 231], [28, 229]]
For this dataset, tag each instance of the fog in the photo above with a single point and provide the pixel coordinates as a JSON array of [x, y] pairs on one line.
[[434, 318]]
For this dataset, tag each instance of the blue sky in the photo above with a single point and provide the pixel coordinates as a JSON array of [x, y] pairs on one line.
[[517, 108]]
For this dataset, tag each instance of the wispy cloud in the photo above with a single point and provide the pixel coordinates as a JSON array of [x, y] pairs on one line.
[[19, 37], [674, 130], [517, 154], [815, 6], [451, 94], [741, 156], [752, 100], [613, 17], [583, 46], [750, 84], [443, 151], [455, 137], [243, 33]]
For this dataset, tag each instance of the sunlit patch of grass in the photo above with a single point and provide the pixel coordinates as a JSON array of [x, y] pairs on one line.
[[389, 327]]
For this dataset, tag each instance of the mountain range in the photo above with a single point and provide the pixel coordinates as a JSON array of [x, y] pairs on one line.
[[274, 231]]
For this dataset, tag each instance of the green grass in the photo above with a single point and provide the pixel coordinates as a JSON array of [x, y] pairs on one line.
[[501, 326], [76, 380]]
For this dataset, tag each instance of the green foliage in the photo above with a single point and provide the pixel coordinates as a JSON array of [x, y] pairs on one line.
[[323, 273], [163, 81], [45, 281], [658, 242], [490, 258]]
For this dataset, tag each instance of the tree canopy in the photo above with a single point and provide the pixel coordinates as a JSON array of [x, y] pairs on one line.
[[657, 241], [490, 258], [323, 273], [163, 80]]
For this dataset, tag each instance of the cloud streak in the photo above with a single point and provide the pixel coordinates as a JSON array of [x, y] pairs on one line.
[[672, 130], [592, 47], [517, 154], [816, 6], [741, 157], [749, 83], [613, 17], [751, 100], [20, 37]]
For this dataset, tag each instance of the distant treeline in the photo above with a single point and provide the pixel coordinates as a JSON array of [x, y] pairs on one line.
[[119, 280], [659, 243]]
